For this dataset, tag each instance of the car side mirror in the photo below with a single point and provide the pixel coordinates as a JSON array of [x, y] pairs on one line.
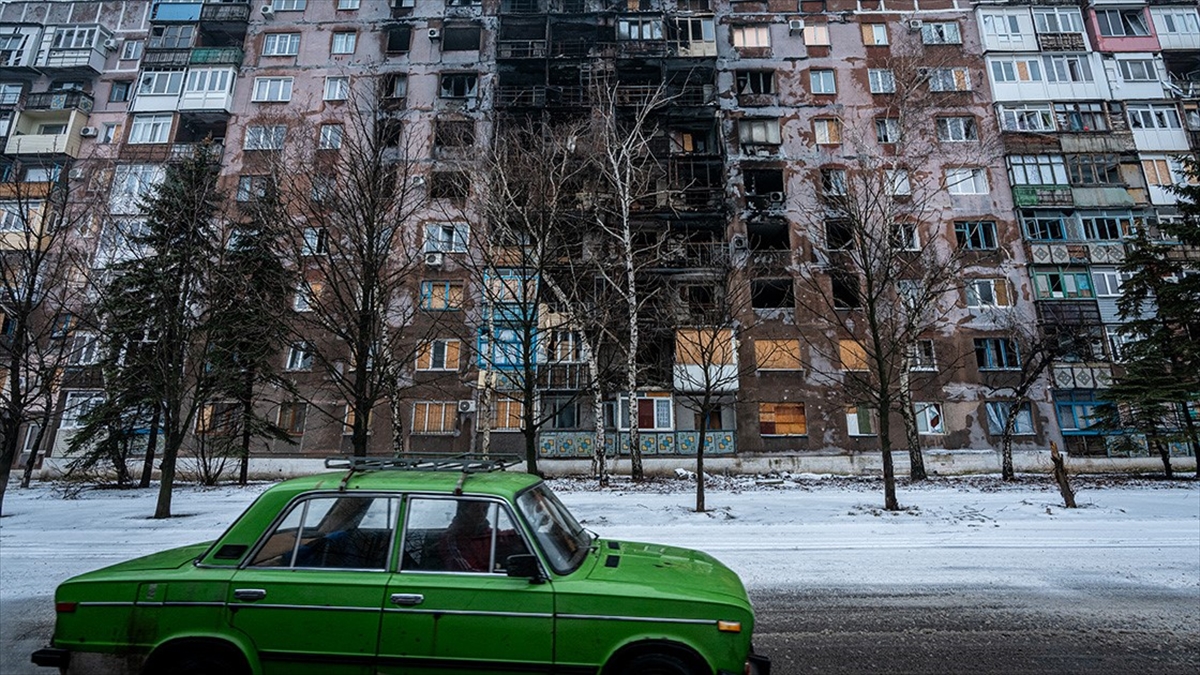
[[525, 566]]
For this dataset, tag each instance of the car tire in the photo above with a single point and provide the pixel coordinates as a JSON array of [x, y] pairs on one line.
[[658, 664], [204, 664]]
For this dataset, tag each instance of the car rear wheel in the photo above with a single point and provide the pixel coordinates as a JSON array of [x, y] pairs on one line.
[[198, 663], [658, 664]]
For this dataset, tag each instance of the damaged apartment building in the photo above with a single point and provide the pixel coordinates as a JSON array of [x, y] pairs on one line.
[[1022, 143]]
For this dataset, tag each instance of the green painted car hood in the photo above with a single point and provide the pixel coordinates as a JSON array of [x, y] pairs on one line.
[[163, 560], [672, 569]]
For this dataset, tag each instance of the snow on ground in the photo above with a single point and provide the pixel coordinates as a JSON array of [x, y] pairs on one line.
[[800, 531]]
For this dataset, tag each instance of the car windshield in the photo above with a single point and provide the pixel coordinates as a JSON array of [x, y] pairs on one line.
[[563, 540]]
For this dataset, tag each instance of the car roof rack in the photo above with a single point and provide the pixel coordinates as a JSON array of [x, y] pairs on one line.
[[465, 463]]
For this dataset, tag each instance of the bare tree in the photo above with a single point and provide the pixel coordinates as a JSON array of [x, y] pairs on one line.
[[40, 291]]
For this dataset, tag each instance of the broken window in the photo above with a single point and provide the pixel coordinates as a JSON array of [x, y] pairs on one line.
[[459, 85], [772, 294], [755, 82], [454, 134], [759, 132], [399, 38], [769, 236], [390, 132], [844, 288], [763, 182], [451, 185], [461, 38], [839, 234]]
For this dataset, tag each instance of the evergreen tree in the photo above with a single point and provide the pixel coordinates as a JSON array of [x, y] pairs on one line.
[[157, 314]]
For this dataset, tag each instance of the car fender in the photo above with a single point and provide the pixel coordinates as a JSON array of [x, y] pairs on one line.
[[653, 644], [191, 639]]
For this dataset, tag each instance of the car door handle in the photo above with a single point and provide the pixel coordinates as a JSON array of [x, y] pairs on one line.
[[249, 594], [407, 599]]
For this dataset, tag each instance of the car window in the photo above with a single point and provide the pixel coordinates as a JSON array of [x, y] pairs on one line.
[[338, 532], [563, 539], [459, 535]]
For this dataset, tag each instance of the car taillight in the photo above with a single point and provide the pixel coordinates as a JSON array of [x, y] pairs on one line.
[[65, 607]]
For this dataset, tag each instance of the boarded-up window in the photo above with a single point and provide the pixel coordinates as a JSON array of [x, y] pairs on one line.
[[506, 414], [777, 354], [439, 355], [704, 346], [434, 417], [852, 355], [782, 419]]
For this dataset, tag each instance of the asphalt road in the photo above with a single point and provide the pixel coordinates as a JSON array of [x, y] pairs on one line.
[[982, 631]]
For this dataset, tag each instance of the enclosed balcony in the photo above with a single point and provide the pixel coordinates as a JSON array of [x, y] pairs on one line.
[[81, 47], [208, 89], [581, 444], [176, 12], [18, 48], [48, 130]]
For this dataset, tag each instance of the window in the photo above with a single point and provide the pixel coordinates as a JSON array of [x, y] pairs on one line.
[[655, 412], [11, 217], [1076, 411], [77, 405], [975, 235], [777, 354], [289, 5], [306, 295], [929, 419], [1107, 283], [460, 536], [434, 417], [291, 417], [252, 188], [898, 184], [265, 137], [755, 82], [1138, 70], [333, 532], [874, 34], [441, 354], [350, 416], [562, 346], [1057, 20], [747, 37], [337, 88], [507, 414], [967, 181], [1037, 170], [281, 44], [1153, 117], [887, 130], [399, 39], [882, 80], [205, 80], [177, 36], [347, 4], [782, 419], [1122, 22], [997, 354], [1062, 284], [759, 132], [921, 356], [827, 131], [997, 417], [446, 237], [1041, 226], [1002, 27], [1177, 21], [1070, 68], [119, 91], [344, 42], [449, 185], [1081, 117], [316, 241], [160, 83], [459, 85], [904, 237], [816, 35], [85, 349], [463, 38], [1026, 117], [983, 293], [940, 33], [109, 131], [833, 182], [949, 79], [300, 357], [331, 137], [852, 355], [956, 129], [1016, 69], [772, 294], [1160, 172], [453, 134], [563, 411], [1106, 225], [272, 89], [639, 28], [151, 128], [131, 50], [1093, 170], [822, 82], [861, 420]]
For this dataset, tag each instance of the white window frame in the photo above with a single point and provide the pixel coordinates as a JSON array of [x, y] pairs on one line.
[[881, 80], [337, 88], [78, 403], [759, 132], [1073, 68], [281, 44], [967, 181], [897, 182], [983, 293], [447, 237], [331, 137], [151, 128], [997, 413], [816, 35], [439, 361], [1153, 116], [1061, 15], [1038, 170], [854, 421], [346, 5], [941, 33], [958, 77], [827, 80], [131, 50], [344, 42], [931, 418], [827, 131], [958, 129], [751, 36], [160, 83], [289, 5], [265, 137], [875, 34], [272, 89], [300, 357]]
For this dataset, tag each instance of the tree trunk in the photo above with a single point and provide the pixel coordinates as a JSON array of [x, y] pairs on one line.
[[916, 459], [1193, 438], [889, 470], [10, 426], [1164, 454], [1006, 459], [27, 474], [151, 447], [166, 486], [600, 452], [1060, 476], [700, 506]]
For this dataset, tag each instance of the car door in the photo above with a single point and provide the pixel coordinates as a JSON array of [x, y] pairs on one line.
[[452, 607], [310, 597]]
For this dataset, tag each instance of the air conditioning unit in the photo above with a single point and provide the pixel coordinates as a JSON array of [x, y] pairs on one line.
[[466, 406], [795, 26], [110, 44], [433, 259], [435, 33], [88, 132], [915, 24], [267, 11], [776, 197]]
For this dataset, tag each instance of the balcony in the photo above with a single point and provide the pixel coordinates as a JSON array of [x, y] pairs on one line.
[[81, 47], [211, 56], [224, 13], [25, 139], [581, 444], [12, 100], [20, 49], [1042, 195], [521, 49], [59, 100], [166, 57], [1081, 375], [1062, 42], [176, 12]]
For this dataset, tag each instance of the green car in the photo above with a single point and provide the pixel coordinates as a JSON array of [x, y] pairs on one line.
[[407, 567]]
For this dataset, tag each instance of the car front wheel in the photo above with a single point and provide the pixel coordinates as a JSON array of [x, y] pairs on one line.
[[658, 664]]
